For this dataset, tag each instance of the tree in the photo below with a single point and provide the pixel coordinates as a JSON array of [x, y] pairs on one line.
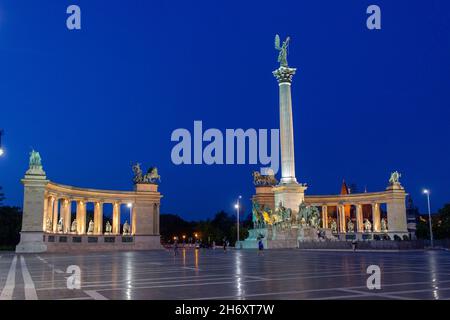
[[2, 196], [10, 224], [442, 223]]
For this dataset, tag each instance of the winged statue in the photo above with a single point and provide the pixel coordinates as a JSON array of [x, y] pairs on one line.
[[283, 49]]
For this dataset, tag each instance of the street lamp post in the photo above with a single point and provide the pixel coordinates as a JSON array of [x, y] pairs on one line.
[[1, 147], [237, 206], [427, 193]]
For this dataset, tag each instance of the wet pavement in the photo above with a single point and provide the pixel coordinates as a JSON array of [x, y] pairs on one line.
[[213, 274]]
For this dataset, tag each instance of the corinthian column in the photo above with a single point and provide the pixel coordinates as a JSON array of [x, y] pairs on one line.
[[284, 77]]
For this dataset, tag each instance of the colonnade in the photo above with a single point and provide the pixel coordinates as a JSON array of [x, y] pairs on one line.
[[343, 214]]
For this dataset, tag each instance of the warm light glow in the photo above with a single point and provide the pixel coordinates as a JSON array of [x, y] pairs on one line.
[[174, 238], [129, 205], [184, 237], [195, 235], [426, 191]]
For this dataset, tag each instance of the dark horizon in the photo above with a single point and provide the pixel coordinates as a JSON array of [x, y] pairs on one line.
[[94, 101]]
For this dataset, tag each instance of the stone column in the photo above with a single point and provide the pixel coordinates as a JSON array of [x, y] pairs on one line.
[[284, 77], [81, 217], [55, 215], [341, 211], [289, 193], [133, 221], [49, 215], [44, 217], [98, 218], [359, 218], [67, 215], [376, 221], [116, 218], [324, 216], [31, 235]]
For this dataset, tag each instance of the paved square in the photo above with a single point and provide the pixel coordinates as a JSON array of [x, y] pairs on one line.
[[213, 274]]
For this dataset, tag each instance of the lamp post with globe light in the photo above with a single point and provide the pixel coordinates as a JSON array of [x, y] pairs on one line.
[[427, 193], [237, 206], [2, 151]]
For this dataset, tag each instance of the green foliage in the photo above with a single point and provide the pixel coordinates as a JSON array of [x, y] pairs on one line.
[[222, 226], [2, 196]]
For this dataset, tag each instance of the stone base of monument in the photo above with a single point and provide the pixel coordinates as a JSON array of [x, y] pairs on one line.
[[308, 234], [55, 242], [280, 238], [31, 242]]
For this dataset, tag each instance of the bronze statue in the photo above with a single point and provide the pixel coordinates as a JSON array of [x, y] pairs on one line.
[[283, 49]]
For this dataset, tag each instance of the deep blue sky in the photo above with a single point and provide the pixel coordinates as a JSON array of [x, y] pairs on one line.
[[93, 101]]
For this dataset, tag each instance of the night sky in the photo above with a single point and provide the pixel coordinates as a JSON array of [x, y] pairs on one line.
[[96, 100]]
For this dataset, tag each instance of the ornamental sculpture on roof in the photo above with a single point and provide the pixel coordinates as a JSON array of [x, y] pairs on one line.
[[151, 176]]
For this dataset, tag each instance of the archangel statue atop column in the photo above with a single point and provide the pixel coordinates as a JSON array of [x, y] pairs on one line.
[[283, 48]]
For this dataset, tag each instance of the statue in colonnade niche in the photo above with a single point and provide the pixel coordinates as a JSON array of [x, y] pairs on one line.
[[60, 225], [48, 225], [333, 226], [126, 228], [383, 225], [91, 227], [367, 226], [350, 226], [73, 227], [108, 228]]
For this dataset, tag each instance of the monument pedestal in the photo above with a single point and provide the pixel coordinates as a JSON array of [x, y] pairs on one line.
[[32, 234], [290, 195], [31, 242]]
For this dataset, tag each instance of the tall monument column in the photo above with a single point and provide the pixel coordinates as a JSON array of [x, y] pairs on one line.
[[284, 76], [35, 182], [289, 192]]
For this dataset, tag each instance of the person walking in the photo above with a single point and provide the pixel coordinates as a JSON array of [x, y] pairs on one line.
[[260, 247], [225, 245], [354, 243]]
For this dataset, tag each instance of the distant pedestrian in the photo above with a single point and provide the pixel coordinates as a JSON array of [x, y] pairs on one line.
[[354, 243], [214, 245], [175, 248], [260, 247], [225, 245]]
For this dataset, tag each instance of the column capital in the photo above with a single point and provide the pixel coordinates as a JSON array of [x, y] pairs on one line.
[[284, 74]]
